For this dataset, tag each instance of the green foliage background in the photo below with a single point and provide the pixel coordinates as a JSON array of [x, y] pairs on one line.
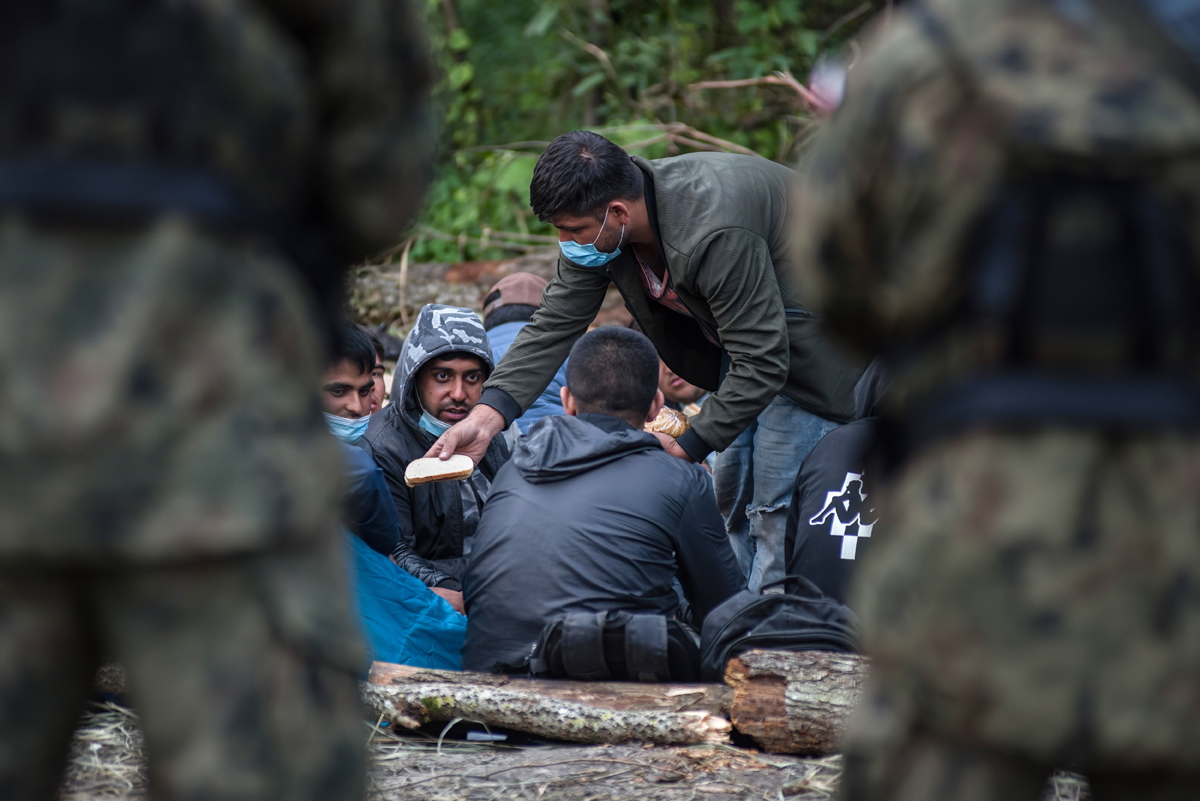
[[516, 73]]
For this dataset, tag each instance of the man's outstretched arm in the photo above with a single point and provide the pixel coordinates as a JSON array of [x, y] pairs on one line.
[[569, 304]]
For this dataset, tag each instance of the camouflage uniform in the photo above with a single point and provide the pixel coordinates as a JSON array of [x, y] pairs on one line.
[[168, 489], [1036, 601]]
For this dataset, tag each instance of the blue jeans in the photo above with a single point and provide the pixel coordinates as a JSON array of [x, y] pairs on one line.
[[754, 479]]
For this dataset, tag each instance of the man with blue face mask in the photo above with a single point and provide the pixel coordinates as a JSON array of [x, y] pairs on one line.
[[443, 365], [697, 245], [404, 622], [368, 512]]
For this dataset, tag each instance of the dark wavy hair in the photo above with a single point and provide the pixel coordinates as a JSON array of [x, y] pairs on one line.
[[354, 348], [579, 174]]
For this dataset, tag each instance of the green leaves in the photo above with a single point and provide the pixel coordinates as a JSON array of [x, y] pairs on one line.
[[516, 74]]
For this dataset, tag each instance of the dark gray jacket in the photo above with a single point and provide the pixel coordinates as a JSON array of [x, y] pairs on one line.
[[724, 224], [432, 527], [591, 515]]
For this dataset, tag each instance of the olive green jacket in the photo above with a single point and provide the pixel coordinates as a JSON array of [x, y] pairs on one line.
[[722, 224]]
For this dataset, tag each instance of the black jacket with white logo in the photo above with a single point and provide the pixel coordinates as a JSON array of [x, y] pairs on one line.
[[832, 515]]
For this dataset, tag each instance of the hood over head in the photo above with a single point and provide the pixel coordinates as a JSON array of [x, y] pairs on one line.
[[870, 389], [561, 446], [437, 331]]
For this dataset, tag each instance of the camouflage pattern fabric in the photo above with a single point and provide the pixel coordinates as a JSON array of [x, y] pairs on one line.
[[918, 147], [168, 490], [1035, 593], [292, 101], [933, 768], [157, 399], [241, 671]]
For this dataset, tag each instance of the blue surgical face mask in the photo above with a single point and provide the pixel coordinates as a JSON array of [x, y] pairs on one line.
[[587, 255], [348, 429], [432, 424]]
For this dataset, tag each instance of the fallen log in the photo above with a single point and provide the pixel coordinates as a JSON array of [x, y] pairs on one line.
[[794, 702], [582, 712]]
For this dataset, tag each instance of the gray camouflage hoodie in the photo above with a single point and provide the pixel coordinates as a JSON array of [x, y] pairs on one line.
[[436, 520]]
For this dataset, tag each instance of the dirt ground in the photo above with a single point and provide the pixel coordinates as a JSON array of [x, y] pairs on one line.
[[107, 762]]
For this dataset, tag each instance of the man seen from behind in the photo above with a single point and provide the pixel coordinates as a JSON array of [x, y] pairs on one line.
[[592, 516]]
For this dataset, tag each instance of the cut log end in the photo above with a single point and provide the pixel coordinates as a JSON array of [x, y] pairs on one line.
[[794, 702]]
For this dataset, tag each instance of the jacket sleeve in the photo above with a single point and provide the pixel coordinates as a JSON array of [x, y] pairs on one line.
[[708, 570], [368, 510], [877, 178], [373, 74], [569, 304], [736, 275], [404, 552]]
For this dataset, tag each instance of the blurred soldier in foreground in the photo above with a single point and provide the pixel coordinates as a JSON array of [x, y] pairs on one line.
[[178, 182], [1007, 205]]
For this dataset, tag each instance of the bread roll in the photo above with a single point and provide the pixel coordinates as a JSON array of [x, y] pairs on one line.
[[423, 471], [669, 422]]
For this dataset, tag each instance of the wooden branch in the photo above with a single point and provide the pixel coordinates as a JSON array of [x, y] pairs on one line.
[[794, 702], [783, 78], [583, 712], [596, 53], [402, 283]]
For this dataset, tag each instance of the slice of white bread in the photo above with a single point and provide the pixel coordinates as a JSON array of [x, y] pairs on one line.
[[669, 422], [423, 471]]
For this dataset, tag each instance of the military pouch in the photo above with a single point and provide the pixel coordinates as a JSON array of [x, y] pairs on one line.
[[615, 646]]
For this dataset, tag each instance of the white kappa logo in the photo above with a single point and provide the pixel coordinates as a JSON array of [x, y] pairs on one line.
[[848, 507]]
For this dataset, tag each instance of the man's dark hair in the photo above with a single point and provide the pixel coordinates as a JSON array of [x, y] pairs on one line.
[[355, 348], [613, 370], [580, 173], [512, 313], [376, 342]]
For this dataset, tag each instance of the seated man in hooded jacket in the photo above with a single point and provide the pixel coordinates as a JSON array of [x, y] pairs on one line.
[[442, 367], [592, 517], [402, 619]]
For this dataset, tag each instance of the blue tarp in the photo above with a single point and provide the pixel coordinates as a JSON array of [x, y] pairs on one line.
[[403, 621]]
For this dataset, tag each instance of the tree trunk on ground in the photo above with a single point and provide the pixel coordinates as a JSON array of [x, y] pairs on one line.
[[582, 712], [794, 702], [787, 702]]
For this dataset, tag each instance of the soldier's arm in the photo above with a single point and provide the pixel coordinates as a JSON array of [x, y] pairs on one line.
[[372, 70], [862, 171]]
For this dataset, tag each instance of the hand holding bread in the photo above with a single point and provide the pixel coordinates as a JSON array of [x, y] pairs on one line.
[[669, 422], [424, 471]]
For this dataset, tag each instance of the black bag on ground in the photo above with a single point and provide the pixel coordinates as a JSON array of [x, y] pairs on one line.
[[616, 646], [800, 619]]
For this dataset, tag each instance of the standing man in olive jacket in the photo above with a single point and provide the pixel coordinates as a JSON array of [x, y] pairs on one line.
[[697, 245]]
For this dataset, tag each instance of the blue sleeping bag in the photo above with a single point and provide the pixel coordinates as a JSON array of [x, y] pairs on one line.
[[403, 621]]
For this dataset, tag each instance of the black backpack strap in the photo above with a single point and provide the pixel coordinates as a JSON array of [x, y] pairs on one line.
[[646, 648]]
